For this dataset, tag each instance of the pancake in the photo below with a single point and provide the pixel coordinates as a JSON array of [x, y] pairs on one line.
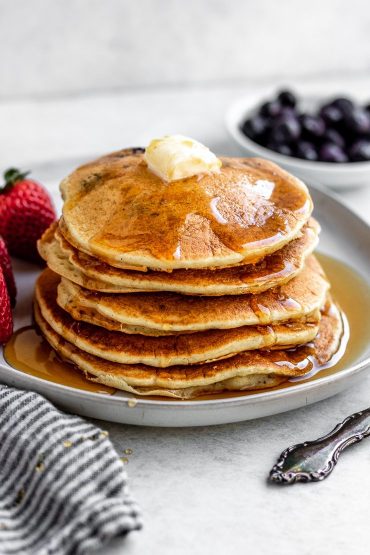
[[251, 370], [275, 269], [119, 211], [168, 350], [171, 312], [91, 316], [57, 261], [93, 274]]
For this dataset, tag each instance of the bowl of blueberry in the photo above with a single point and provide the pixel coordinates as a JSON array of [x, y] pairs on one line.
[[326, 140]]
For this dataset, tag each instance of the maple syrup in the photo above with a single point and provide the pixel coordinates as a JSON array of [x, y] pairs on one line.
[[257, 207], [352, 293], [28, 352]]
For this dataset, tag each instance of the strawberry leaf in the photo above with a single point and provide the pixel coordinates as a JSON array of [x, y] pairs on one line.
[[12, 176]]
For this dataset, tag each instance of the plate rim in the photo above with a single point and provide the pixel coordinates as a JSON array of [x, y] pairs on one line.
[[177, 403]]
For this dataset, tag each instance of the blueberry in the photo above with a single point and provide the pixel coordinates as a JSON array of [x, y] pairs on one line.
[[345, 105], [329, 152], [287, 98], [312, 126], [306, 150], [285, 130], [333, 136], [358, 121], [270, 109], [288, 112], [254, 127], [331, 114], [281, 148], [360, 151]]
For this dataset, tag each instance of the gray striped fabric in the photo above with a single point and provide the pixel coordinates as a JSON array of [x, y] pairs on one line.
[[63, 488]]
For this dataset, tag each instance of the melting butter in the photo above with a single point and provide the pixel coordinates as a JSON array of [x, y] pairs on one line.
[[176, 157]]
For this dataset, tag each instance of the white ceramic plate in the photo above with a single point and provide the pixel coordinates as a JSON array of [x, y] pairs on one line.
[[344, 235], [332, 175]]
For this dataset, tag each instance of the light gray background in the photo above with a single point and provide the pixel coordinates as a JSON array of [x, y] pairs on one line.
[[53, 47]]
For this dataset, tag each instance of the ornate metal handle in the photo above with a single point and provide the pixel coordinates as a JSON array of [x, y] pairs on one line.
[[315, 460]]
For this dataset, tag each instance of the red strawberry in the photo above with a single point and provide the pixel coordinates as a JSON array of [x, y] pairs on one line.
[[25, 212], [6, 267], [6, 319]]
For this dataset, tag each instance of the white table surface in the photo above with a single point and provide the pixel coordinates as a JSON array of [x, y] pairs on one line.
[[204, 490]]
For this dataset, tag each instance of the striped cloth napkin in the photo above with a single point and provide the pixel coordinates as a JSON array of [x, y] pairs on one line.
[[63, 488]]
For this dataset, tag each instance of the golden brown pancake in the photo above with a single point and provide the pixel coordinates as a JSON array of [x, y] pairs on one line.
[[91, 316], [163, 351], [57, 261], [251, 370], [117, 210], [275, 269], [198, 286], [171, 312]]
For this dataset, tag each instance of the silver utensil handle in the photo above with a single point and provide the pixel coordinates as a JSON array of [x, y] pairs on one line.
[[313, 461]]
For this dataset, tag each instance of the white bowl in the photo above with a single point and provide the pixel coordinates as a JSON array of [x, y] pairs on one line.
[[333, 175]]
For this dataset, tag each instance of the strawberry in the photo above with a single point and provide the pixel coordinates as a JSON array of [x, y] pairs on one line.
[[25, 212], [6, 267], [6, 319]]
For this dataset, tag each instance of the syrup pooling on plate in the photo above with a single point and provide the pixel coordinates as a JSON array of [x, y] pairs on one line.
[[338, 355], [29, 352], [352, 293], [304, 357], [129, 208]]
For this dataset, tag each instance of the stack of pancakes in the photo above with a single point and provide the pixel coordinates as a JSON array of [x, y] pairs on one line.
[[199, 286]]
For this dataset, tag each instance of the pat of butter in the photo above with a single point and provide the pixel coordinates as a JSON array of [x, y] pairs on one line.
[[177, 157]]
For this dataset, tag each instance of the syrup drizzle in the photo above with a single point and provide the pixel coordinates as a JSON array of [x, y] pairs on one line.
[[28, 352], [229, 209], [315, 366]]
